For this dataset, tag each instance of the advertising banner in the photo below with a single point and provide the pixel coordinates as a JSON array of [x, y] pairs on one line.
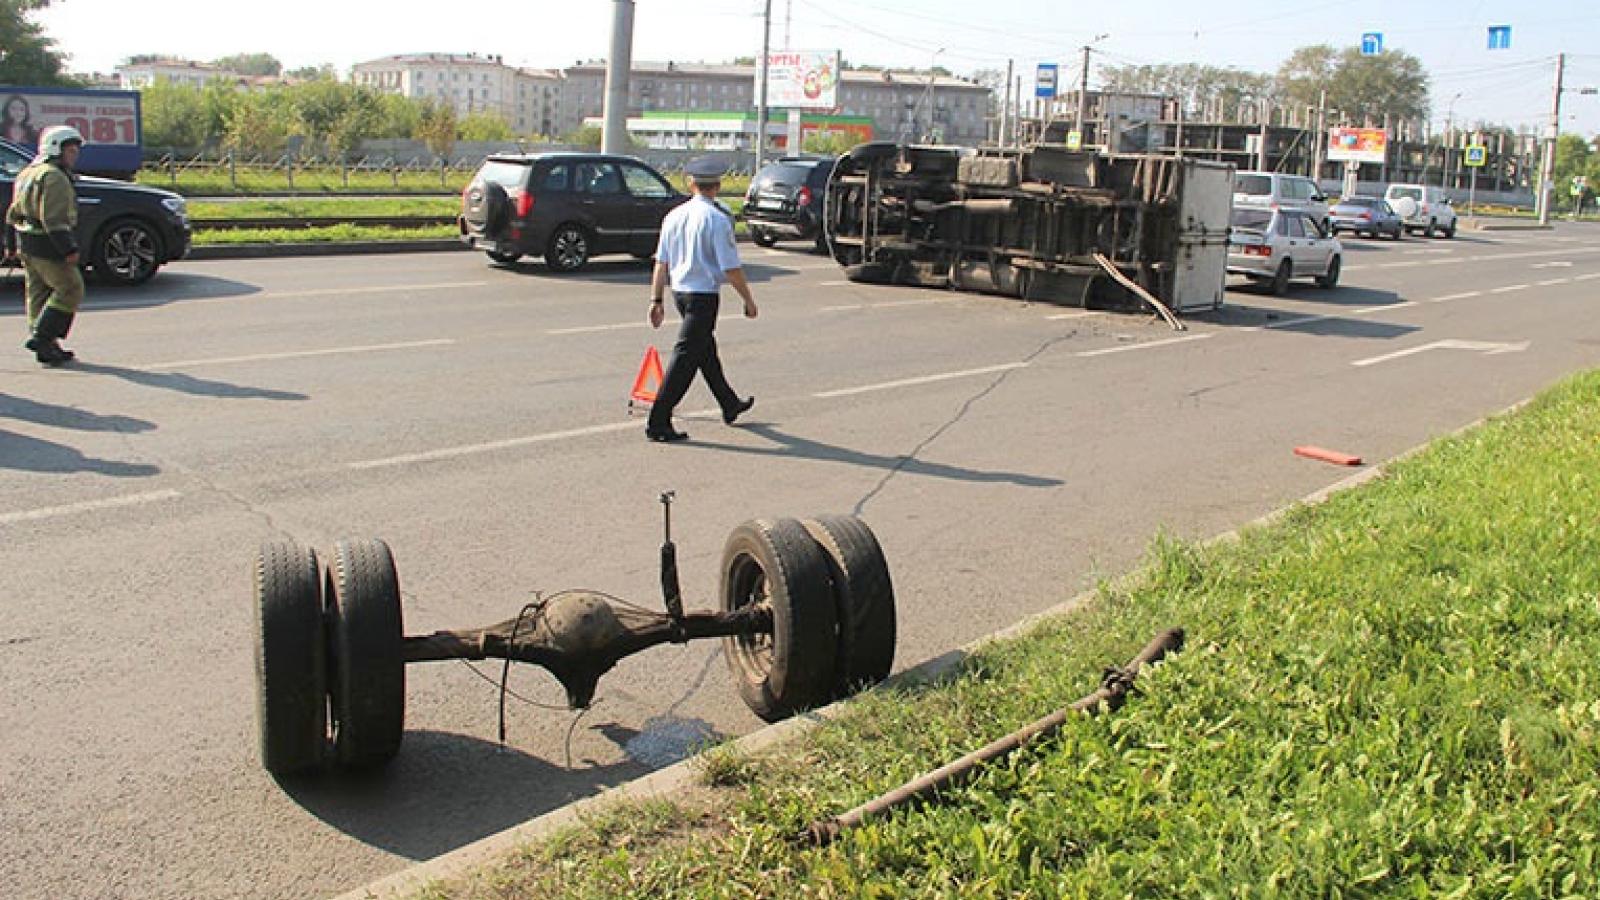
[[802, 79], [1366, 145], [108, 121]]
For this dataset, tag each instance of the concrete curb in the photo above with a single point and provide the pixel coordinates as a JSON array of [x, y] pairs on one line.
[[1503, 225], [330, 248], [673, 778]]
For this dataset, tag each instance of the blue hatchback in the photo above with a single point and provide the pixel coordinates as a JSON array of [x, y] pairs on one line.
[[1371, 216]]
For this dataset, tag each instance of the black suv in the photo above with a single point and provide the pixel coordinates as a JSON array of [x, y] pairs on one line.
[[785, 200], [125, 231], [567, 206]]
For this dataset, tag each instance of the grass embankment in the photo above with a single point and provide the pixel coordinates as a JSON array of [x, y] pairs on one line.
[[1391, 694], [308, 207]]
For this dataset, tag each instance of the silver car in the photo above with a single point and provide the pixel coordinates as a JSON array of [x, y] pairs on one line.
[[1280, 190], [1271, 246]]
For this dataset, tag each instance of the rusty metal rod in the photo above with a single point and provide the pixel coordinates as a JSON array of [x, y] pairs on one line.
[[1113, 689]]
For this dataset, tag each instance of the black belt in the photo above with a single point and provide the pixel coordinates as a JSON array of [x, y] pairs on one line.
[[697, 295]]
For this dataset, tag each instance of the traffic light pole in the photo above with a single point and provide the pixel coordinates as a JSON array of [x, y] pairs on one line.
[[1547, 172]]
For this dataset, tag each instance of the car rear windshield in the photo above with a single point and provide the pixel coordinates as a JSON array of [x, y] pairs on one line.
[[1252, 219], [1253, 185], [789, 173], [1368, 202], [508, 175], [1396, 193]]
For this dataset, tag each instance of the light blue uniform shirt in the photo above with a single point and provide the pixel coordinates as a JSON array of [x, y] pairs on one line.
[[697, 246]]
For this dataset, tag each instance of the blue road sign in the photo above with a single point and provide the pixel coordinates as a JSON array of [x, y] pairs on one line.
[[1372, 43], [1499, 37], [1045, 81]]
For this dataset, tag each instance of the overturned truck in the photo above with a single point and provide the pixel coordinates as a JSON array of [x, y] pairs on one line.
[[1042, 223]]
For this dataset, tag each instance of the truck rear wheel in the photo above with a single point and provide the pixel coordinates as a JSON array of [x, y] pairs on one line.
[[369, 672], [291, 663]]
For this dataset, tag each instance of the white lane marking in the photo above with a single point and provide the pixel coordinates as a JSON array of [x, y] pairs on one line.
[[618, 326], [1401, 265], [1586, 277], [835, 283], [489, 446], [1429, 250], [925, 379], [1489, 347], [1508, 289], [1106, 351], [1290, 323], [1461, 296], [158, 302], [47, 512], [299, 354], [1077, 315], [1372, 309], [844, 307], [1553, 264], [1554, 281], [923, 301]]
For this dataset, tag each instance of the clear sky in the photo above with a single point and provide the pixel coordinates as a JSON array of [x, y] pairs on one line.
[[1450, 36]]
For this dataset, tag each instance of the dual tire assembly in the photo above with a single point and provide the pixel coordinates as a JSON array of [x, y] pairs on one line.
[[330, 647]]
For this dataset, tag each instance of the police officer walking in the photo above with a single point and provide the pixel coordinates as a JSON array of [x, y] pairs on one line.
[[696, 255], [44, 212]]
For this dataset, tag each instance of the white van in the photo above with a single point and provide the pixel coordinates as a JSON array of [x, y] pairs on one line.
[[1423, 208], [1276, 190]]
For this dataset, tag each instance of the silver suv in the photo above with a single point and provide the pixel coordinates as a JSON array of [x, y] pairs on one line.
[[1276, 190], [1423, 208]]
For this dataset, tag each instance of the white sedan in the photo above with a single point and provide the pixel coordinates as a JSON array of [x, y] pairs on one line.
[[1271, 246]]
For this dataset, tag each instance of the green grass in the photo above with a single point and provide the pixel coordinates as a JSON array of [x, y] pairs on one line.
[[299, 207], [217, 181], [1393, 694], [344, 233]]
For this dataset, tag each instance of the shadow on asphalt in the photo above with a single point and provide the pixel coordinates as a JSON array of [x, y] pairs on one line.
[[788, 445], [25, 409], [444, 791], [187, 384], [29, 454], [163, 289], [632, 271]]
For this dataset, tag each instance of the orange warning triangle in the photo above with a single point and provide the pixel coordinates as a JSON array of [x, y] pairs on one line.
[[648, 381]]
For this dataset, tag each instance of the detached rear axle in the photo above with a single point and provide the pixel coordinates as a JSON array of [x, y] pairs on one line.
[[806, 613]]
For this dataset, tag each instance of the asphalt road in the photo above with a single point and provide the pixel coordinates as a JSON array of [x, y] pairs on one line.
[[1006, 454]]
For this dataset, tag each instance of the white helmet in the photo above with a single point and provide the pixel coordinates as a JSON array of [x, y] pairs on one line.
[[55, 138]]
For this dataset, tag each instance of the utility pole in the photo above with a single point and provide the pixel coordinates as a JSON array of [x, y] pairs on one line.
[[761, 114], [1005, 108], [614, 136], [1547, 171], [1083, 99], [1322, 135]]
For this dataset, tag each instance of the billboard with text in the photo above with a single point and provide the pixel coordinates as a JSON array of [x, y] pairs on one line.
[[108, 121], [802, 79], [1368, 145]]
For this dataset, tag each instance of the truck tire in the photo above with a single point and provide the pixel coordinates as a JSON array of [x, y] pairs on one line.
[[291, 663], [776, 562], [369, 672], [863, 597]]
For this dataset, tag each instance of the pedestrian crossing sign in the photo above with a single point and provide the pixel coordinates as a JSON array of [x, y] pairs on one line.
[[1476, 155]]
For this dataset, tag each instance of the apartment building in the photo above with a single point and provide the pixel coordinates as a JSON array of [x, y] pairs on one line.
[[528, 99], [140, 75], [900, 105]]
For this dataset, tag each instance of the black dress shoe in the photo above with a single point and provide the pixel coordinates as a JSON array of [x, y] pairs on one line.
[[744, 406], [666, 437]]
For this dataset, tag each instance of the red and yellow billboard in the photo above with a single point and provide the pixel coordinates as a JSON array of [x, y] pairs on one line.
[[1368, 145]]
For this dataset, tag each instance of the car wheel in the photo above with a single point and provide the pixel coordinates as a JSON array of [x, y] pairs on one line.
[[568, 250], [1399, 233], [1330, 279], [126, 252], [1450, 231], [1280, 279], [1431, 230], [762, 237], [504, 259]]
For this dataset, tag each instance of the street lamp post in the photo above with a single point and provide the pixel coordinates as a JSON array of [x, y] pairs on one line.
[[927, 133]]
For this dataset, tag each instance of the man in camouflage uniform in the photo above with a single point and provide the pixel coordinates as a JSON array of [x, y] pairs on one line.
[[44, 213]]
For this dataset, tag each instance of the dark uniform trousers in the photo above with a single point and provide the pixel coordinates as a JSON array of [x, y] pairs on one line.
[[696, 351]]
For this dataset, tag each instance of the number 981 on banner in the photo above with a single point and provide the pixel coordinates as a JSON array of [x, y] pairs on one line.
[[106, 129]]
